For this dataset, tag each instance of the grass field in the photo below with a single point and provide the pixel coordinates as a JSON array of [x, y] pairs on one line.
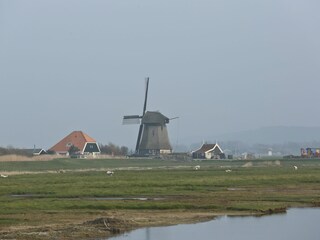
[[84, 191]]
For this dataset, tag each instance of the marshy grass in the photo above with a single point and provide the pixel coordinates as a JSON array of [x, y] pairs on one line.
[[174, 184]]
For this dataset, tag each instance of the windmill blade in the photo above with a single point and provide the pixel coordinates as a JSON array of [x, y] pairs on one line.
[[173, 118], [131, 119], [144, 111], [145, 97], [139, 138]]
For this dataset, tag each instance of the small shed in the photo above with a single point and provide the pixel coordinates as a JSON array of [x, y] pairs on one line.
[[208, 151]]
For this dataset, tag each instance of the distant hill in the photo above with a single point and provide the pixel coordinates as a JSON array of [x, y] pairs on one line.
[[283, 140], [273, 135]]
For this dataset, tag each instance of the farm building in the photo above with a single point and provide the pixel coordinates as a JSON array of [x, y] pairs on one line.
[[35, 151], [79, 141], [208, 151]]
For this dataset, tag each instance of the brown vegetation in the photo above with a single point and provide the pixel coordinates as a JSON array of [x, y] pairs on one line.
[[19, 158]]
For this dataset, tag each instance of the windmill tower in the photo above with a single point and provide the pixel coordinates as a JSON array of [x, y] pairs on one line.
[[153, 134]]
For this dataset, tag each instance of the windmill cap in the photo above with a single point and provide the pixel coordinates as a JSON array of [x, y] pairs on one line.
[[154, 118]]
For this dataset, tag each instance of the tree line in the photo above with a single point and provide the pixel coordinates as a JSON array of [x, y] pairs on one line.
[[112, 149], [14, 151], [108, 149]]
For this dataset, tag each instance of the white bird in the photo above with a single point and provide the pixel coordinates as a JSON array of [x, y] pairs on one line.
[[110, 173], [4, 176], [196, 167], [295, 167], [228, 170]]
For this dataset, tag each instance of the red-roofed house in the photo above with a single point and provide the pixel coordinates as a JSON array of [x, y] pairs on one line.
[[208, 151], [78, 139]]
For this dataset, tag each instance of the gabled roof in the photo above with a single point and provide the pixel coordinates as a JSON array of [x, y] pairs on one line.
[[207, 148], [35, 151], [154, 118], [76, 138]]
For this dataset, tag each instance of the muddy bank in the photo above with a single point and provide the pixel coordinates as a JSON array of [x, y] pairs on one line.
[[111, 224], [103, 226]]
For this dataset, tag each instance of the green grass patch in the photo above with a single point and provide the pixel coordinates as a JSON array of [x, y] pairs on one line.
[[167, 185]]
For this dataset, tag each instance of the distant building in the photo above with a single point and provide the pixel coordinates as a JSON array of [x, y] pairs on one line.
[[310, 152], [208, 151], [270, 152], [35, 151], [78, 140], [247, 156]]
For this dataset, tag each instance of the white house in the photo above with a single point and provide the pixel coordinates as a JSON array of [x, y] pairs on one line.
[[208, 151]]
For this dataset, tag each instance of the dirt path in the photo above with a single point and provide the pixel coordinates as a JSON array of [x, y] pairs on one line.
[[60, 171]]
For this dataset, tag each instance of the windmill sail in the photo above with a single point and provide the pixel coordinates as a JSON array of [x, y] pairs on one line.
[[131, 119], [145, 97], [139, 138], [143, 112]]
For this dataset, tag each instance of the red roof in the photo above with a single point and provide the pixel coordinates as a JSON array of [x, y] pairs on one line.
[[76, 138]]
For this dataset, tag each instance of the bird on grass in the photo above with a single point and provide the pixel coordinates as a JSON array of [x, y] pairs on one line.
[[110, 173]]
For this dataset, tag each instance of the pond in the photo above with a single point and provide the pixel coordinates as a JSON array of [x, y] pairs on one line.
[[296, 224]]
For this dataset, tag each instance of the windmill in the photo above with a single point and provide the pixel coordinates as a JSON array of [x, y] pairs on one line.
[[153, 135]]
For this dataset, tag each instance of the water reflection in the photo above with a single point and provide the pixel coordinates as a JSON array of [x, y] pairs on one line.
[[297, 224]]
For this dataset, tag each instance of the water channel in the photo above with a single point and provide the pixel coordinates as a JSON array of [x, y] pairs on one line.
[[296, 224]]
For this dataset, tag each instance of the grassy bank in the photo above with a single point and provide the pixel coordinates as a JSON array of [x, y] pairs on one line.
[[151, 185]]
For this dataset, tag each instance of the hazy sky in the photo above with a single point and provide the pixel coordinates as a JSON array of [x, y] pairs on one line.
[[220, 65]]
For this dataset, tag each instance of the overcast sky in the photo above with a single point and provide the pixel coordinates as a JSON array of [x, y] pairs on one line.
[[220, 65]]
